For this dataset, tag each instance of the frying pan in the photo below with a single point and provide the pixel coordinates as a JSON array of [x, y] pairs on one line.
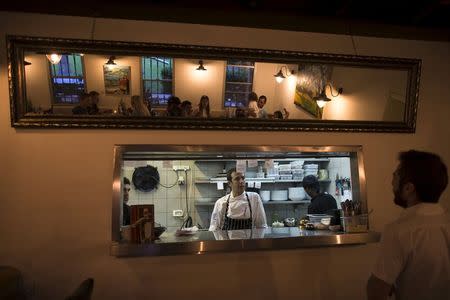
[[145, 179]]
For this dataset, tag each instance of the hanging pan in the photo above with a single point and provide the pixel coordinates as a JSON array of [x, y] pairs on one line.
[[145, 179]]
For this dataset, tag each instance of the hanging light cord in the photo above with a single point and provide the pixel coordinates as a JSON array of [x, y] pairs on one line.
[[353, 40], [353, 43], [188, 221], [331, 90], [93, 29]]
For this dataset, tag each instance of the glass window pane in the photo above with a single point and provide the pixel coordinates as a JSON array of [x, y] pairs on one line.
[[157, 76], [239, 82]]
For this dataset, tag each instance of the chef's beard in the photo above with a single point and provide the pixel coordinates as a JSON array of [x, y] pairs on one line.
[[398, 199]]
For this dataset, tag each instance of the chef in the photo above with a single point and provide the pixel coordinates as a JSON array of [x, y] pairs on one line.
[[238, 209], [321, 203]]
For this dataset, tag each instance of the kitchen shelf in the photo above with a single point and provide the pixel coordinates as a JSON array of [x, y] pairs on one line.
[[276, 159], [262, 180], [286, 202]]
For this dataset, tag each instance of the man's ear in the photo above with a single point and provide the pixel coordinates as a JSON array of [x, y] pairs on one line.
[[409, 188]]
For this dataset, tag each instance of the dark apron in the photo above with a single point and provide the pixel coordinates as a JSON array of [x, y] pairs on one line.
[[236, 224]]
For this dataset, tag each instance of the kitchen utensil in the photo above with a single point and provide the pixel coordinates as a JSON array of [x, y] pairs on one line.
[[318, 218], [145, 179], [159, 230], [290, 222]]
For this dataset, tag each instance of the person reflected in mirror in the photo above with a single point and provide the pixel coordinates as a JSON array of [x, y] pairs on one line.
[[203, 110], [262, 100], [173, 107], [186, 108], [321, 203], [238, 209], [241, 113], [414, 253], [252, 107], [124, 85], [126, 187], [94, 100], [139, 109], [83, 107], [281, 115]]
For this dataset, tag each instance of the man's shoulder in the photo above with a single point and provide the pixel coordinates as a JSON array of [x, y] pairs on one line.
[[222, 199], [252, 194], [326, 196]]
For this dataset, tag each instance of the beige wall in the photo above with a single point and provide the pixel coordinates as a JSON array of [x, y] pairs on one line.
[[366, 93], [56, 185], [193, 84]]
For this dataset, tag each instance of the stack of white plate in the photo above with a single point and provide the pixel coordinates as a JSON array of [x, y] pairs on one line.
[[297, 193], [279, 195]]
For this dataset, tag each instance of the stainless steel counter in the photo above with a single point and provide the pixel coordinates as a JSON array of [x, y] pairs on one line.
[[242, 240]]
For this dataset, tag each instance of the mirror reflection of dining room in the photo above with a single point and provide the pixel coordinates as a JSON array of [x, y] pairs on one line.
[[123, 86]]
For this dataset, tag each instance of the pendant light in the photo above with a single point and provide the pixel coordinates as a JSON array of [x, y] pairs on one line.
[[54, 58], [201, 67], [111, 61], [322, 98], [280, 76]]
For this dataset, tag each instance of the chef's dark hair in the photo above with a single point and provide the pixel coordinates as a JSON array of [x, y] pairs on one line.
[[311, 181], [425, 171], [126, 181], [229, 172]]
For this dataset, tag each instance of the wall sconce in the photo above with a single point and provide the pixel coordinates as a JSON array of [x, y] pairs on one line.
[[26, 63], [280, 75], [110, 61], [322, 98], [54, 58], [201, 67]]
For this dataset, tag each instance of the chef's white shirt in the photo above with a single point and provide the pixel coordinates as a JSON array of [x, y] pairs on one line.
[[415, 253], [238, 209]]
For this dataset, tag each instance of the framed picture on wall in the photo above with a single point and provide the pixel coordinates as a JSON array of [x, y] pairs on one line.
[[117, 79], [311, 80]]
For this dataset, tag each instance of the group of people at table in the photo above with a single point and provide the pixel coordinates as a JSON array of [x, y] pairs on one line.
[[88, 105]]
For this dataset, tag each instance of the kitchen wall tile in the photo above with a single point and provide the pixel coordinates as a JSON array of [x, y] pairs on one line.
[[177, 191], [175, 203], [172, 229], [201, 208], [155, 163], [160, 193], [173, 221], [203, 218], [160, 205], [161, 218]]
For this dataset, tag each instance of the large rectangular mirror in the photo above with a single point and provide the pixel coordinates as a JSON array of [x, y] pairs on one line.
[[60, 83]]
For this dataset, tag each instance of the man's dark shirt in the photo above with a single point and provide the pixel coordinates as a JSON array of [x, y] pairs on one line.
[[322, 203], [126, 215]]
